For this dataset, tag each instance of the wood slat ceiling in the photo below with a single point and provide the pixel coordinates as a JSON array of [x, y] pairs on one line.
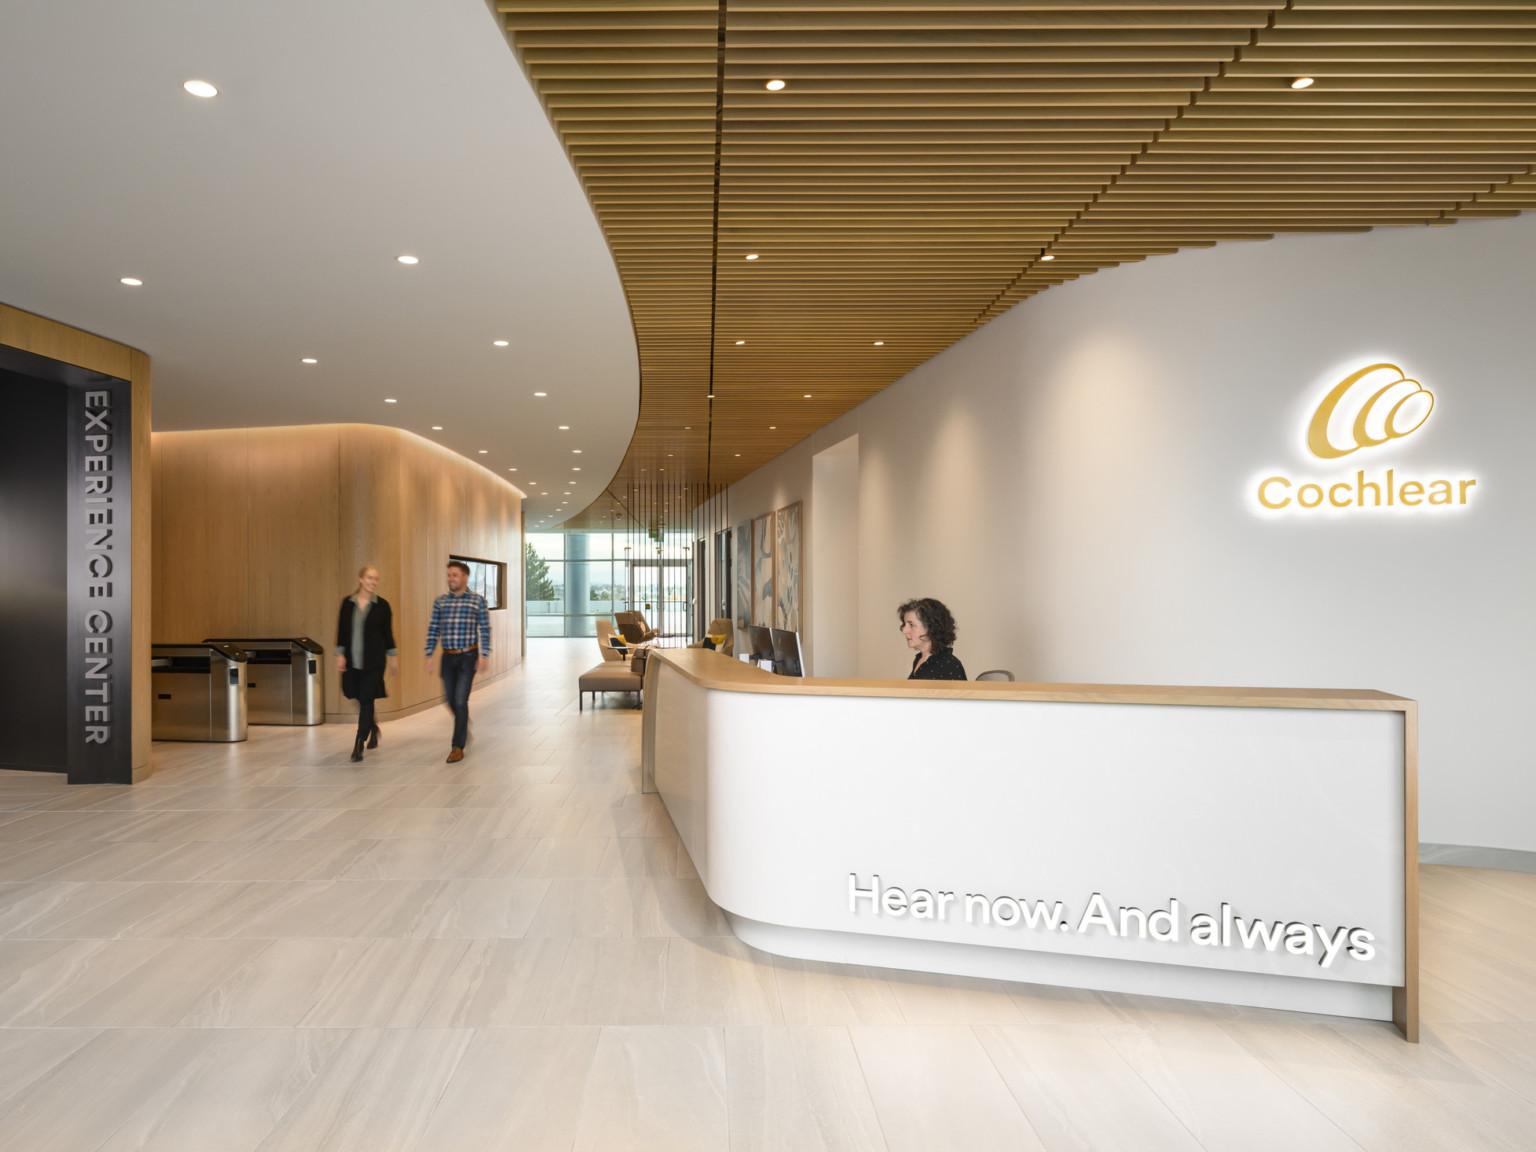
[[931, 164]]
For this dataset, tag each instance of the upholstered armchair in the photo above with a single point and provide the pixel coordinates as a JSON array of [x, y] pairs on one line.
[[605, 637], [720, 627], [632, 627]]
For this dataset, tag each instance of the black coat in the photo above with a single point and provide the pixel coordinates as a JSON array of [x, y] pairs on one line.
[[378, 639]]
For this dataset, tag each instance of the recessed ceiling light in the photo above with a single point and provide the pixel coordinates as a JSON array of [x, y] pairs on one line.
[[541, 393], [741, 342], [711, 396], [511, 469], [738, 453], [437, 427], [1303, 82], [752, 256], [879, 343], [807, 395], [575, 469], [565, 493], [391, 401], [132, 282], [774, 85], [565, 427], [201, 88], [501, 343], [483, 451], [1047, 257], [407, 259], [577, 451], [309, 360], [773, 427]]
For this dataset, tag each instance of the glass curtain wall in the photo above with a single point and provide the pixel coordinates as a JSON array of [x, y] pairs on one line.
[[575, 577]]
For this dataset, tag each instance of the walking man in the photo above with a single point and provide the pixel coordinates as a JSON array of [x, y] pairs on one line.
[[460, 620]]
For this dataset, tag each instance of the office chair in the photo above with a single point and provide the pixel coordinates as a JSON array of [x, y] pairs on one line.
[[996, 674]]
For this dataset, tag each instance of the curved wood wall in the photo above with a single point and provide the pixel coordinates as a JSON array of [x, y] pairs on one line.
[[262, 530]]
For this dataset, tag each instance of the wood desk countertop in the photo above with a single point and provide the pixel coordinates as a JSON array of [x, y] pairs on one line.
[[709, 669]]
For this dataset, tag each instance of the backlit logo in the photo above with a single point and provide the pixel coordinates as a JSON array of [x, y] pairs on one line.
[[1369, 407], [1372, 406]]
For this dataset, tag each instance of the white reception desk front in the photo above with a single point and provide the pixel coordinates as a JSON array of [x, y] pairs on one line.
[[1248, 846]]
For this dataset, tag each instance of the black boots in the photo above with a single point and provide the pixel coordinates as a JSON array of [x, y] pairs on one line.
[[357, 750], [373, 737]]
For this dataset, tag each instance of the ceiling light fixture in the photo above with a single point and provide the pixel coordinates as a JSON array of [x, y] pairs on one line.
[[483, 451], [739, 342], [541, 393], [309, 360], [575, 469], [711, 396], [565, 427], [752, 256], [1047, 257], [807, 395], [879, 343], [501, 343], [390, 400], [437, 427], [577, 451], [773, 427], [774, 85], [407, 260], [201, 88], [132, 282], [511, 469], [1303, 82]]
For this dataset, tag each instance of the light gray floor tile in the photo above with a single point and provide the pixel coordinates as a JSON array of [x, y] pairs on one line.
[[719, 980], [611, 980], [798, 1090], [375, 1095], [655, 1088], [936, 1090], [42, 981], [277, 987], [498, 984], [392, 985], [514, 1088], [484, 909], [229, 1097]]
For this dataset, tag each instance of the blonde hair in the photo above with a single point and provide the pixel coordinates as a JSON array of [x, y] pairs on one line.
[[361, 572]]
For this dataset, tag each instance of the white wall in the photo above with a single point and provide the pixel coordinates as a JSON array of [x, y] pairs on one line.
[[1075, 480]]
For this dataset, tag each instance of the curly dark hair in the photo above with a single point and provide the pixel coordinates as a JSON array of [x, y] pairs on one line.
[[935, 618]]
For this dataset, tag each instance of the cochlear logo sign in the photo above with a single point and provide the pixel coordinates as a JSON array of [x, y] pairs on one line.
[[1369, 407], [1372, 407]]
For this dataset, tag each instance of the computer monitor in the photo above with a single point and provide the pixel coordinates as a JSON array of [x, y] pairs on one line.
[[786, 653], [761, 641]]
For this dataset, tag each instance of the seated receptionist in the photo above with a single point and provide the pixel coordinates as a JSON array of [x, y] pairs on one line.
[[929, 629]]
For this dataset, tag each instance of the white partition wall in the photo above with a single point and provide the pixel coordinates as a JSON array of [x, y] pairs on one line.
[[1078, 482]]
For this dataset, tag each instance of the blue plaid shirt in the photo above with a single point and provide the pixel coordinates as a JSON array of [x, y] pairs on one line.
[[460, 622]]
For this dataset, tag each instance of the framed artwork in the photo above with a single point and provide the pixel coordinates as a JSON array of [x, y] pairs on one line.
[[762, 570], [741, 601], [786, 567]]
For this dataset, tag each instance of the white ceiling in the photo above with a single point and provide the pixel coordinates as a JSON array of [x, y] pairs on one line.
[[265, 224]]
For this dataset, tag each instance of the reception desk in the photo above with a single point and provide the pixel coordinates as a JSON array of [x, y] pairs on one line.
[[1243, 845]]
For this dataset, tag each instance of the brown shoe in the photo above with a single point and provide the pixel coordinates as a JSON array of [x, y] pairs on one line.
[[456, 755]]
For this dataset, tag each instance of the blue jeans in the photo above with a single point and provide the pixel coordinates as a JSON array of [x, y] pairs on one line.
[[458, 670]]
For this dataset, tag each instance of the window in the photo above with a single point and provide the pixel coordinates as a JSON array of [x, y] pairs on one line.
[[487, 577]]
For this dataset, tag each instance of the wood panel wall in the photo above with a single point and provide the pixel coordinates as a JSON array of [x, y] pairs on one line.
[[264, 529], [68, 345]]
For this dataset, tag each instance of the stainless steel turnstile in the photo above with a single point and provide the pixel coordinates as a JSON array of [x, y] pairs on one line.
[[199, 692], [282, 679]]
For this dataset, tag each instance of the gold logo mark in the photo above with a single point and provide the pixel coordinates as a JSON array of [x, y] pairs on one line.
[[1369, 407]]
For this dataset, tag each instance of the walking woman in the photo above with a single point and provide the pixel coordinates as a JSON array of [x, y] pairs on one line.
[[365, 641]]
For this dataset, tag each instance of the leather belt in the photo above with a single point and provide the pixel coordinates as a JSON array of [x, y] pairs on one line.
[[461, 651]]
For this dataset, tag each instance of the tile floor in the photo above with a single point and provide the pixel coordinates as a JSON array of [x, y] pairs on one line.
[[267, 947]]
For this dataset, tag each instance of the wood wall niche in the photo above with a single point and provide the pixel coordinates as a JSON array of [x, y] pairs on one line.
[[264, 530], [42, 337]]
